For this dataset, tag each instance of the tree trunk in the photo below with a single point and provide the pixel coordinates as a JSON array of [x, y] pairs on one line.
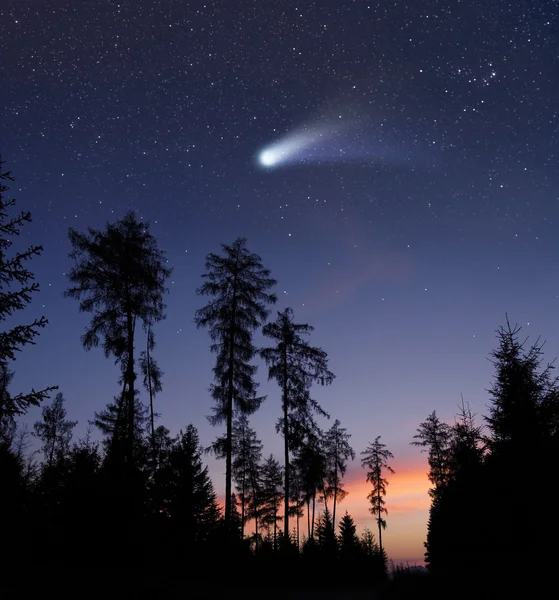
[[130, 376], [286, 444], [298, 519], [313, 507], [229, 410], [275, 528], [243, 509], [152, 420], [308, 517], [335, 493]]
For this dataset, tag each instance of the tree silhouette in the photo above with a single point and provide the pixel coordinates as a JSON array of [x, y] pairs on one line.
[[337, 451], [375, 458], [17, 287], [310, 463], [119, 275], [518, 391], [348, 539], [434, 436], [54, 431], [295, 365], [272, 482], [152, 382], [189, 499], [247, 454], [238, 285]]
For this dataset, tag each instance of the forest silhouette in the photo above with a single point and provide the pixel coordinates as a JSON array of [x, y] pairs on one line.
[[141, 499]]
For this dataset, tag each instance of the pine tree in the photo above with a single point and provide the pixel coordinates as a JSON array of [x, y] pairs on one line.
[[375, 459], [238, 285], [295, 365], [54, 431], [337, 451], [17, 286], [119, 275]]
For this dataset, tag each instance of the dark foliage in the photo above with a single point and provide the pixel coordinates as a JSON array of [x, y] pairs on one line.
[[17, 286], [238, 285]]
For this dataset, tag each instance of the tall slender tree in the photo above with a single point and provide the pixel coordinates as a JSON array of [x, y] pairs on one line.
[[375, 459], [239, 287], [337, 452], [295, 365], [152, 382], [17, 287], [119, 275]]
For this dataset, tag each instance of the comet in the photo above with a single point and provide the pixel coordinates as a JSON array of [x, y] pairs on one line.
[[295, 147]]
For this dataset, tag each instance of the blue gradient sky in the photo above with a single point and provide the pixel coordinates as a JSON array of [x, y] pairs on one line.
[[405, 267]]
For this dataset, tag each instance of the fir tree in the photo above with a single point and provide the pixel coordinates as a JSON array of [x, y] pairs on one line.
[[375, 459], [189, 499], [295, 365], [348, 539], [119, 275], [238, 285], [17, 287]]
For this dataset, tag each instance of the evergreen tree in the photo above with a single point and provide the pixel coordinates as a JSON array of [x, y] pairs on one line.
[[54, 431], [326, 537], [295, 365], [119, 275], [518, 392], [189, 500], [238, 285], [17, 286], [111, 422], [272, 483], [434, 436], [247, 454], [337, 451], [310, 463], [375, 458], [348, 539]]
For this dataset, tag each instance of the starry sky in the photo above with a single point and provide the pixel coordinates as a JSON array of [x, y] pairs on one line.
[[420, 208]]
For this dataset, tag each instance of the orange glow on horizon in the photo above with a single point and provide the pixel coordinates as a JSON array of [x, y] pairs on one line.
[[407, 502]]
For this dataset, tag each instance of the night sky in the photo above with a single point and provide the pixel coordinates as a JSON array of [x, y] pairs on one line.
[[409, 197]]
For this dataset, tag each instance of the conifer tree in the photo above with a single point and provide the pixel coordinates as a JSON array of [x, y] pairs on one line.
[[54, 431], [295, 365], [434, 437], [272, 483], [190, 501], [152, 375], [375, 459], [239, 287], [17, 287], [337, 452], [348, 539], [119, 276]]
